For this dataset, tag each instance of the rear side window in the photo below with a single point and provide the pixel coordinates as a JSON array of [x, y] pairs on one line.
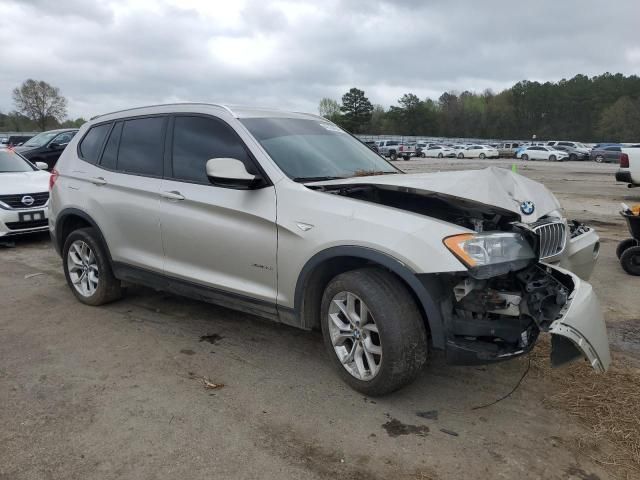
[[198, 139], [613, 149], [142, 146], [110, 154], [91, 144]]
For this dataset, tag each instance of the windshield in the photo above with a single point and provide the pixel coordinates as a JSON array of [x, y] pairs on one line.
[[11, 162], [307, 150], [40, 139]]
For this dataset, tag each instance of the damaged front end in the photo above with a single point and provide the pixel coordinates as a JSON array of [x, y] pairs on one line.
[[501, 317]]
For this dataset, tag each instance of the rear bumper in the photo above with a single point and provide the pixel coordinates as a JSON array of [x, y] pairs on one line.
[[624, 176]]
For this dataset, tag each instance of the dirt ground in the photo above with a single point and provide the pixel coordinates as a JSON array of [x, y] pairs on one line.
[[117, 391]]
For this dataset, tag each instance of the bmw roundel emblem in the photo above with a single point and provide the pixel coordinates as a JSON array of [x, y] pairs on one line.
[[527, 207]]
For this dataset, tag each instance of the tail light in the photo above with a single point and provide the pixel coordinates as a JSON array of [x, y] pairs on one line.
[[401, 148], [52, 178], [624, 160]]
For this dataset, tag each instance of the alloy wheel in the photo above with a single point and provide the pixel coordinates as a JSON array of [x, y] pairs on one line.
[[354, 336], [83, 268]]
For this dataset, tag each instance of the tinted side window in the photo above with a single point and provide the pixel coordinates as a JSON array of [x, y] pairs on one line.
[[110, 154], [613, 149], [142, 146], [198, 139], [92, 142]]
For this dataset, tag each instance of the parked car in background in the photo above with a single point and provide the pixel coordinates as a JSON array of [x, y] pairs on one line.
[[608, 153], [47, 146], [394, 149], [479, 151], [542, 153], [573, 152], [508, 149], [439, 151], [629, 171], [24, 194], [580, 150], [284, 215], [15, 140], [372, 145]]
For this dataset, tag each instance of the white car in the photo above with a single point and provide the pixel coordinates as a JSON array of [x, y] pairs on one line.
[[287, 216], [24, 194], [542, 153], [439, 151], [479, 151], [577, 146]]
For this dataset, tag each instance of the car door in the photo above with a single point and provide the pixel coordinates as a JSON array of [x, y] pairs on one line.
[[220, 238], [123, 189], [612, 154], [55, 147]]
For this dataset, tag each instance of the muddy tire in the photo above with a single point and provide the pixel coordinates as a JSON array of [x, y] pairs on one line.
[[630, 260], [373, 331], [88, 270]]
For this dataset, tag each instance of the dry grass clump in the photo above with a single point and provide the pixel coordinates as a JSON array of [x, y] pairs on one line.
[[607, 404]]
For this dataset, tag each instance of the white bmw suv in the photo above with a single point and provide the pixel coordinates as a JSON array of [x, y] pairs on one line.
[[286, 216]]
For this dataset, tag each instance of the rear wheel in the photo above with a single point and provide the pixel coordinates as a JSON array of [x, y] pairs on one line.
[[373, 331], [407, 158], [461, 155], [525, 157], [573, 157], [626, 244], [482, 156], [552, 158], [599, 158], [423, 155], [393, 156], [87, 269], [440, 155], [630, 260]]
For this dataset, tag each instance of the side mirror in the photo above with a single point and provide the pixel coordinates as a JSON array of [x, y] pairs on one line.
[[42, 166], [231, 173]]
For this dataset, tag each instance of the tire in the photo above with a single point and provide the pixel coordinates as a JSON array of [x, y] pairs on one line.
[[525, 157], [440, 155], [401, 336], [407, 158], [106, 288], [393, 156], [630, 260], [423, 155], [482, 156], [599, 159], [626, 244], [552, 158], [461, 155], [573, 157]]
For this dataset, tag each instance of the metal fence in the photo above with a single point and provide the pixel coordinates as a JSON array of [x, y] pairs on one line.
[[425, 139]]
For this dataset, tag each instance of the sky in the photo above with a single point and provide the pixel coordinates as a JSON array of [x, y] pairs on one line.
[[112, 54]]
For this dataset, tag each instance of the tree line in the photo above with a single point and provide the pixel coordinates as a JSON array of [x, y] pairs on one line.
[[38, 106], [590, 109]]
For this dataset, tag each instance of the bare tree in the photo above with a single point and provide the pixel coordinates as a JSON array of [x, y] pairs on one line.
[[40, 101]]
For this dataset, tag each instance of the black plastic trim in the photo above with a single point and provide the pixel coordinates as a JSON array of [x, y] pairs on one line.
[[434, 317], [623, 176]]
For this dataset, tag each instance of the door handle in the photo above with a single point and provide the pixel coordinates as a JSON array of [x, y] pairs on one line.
[[98, 181], [173, 195]]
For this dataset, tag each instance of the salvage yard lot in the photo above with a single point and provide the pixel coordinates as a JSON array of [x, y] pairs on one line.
[[120, 391]]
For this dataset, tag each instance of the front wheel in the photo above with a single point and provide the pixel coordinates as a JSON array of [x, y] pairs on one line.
[[440, 155], [630, 260], [461, 155], [482, 156], [625, 245], [552, 158], [87, 268], [393, 156], [407, 158], [423, 155], [525, 157], [373, 331], [599, 159]]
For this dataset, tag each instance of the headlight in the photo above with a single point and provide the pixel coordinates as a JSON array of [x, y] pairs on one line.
[[488, 254]]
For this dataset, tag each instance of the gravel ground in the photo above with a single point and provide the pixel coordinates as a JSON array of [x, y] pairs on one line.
[[117, 391]]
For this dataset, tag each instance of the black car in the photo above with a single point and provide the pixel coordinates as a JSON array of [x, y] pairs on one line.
[[14, 140], [47, 146]]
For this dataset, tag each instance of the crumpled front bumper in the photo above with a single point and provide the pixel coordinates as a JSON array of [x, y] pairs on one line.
[[581, 254], [581, 329]]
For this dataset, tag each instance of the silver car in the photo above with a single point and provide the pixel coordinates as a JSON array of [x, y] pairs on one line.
[[287, 216]]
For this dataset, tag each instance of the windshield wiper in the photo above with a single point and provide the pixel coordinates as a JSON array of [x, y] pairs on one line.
[[316, 179]]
